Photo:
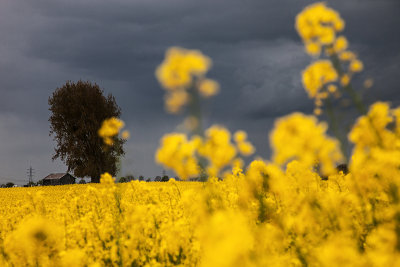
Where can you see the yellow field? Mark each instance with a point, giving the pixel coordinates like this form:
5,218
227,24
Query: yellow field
107,224
261,218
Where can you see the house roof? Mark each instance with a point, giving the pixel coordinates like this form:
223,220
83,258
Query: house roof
54,176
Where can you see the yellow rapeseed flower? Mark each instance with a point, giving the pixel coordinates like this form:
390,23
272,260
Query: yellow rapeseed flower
217,149
125,134
208,87
356,65
175,100
332,88
317,25
301,137
177,73
179,154
179,66
240,136
245,148
317,75
110,128
313,48
347,56
106,178
345,80
340,44
317,111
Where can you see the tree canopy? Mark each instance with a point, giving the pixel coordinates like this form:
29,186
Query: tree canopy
77,112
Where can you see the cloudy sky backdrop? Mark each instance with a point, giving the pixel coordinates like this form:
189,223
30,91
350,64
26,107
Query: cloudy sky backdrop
257,55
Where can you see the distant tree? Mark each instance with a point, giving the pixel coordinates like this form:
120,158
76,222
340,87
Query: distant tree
123,180
40,182
82,181
141,178
165,178
157,179
148,180
130,177
77,112
2,185
9,184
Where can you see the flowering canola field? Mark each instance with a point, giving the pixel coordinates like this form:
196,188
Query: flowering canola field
107,224
263,217
296,209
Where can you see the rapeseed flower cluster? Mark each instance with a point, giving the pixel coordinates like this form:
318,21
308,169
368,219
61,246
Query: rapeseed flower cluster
179,153
316,78
111,128
319,26
182,74
303,138
212,153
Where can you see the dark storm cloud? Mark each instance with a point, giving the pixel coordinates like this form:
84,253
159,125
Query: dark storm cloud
257,58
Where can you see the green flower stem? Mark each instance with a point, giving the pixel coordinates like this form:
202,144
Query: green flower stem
355,97
335,127
195,110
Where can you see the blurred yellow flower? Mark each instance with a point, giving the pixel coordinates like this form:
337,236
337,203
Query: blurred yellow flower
240,136
356,65
345,80
317,111
179,66
347,56
313,48
317,75
332,88
179,73
110,128
217,149
125,134
179,154
370,130
341,44
317,25
227,240
36,242
301,137
106,178
245,148
175,100
208,87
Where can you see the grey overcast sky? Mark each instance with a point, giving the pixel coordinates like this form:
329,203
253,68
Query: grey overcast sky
257,55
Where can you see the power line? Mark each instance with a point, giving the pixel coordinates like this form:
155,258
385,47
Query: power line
30,174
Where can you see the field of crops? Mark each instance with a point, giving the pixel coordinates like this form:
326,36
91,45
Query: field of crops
106,224
261,218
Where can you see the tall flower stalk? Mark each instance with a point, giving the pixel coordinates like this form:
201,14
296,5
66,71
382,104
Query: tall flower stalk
330,75
202,153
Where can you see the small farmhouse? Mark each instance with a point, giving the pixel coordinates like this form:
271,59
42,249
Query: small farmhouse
58,179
